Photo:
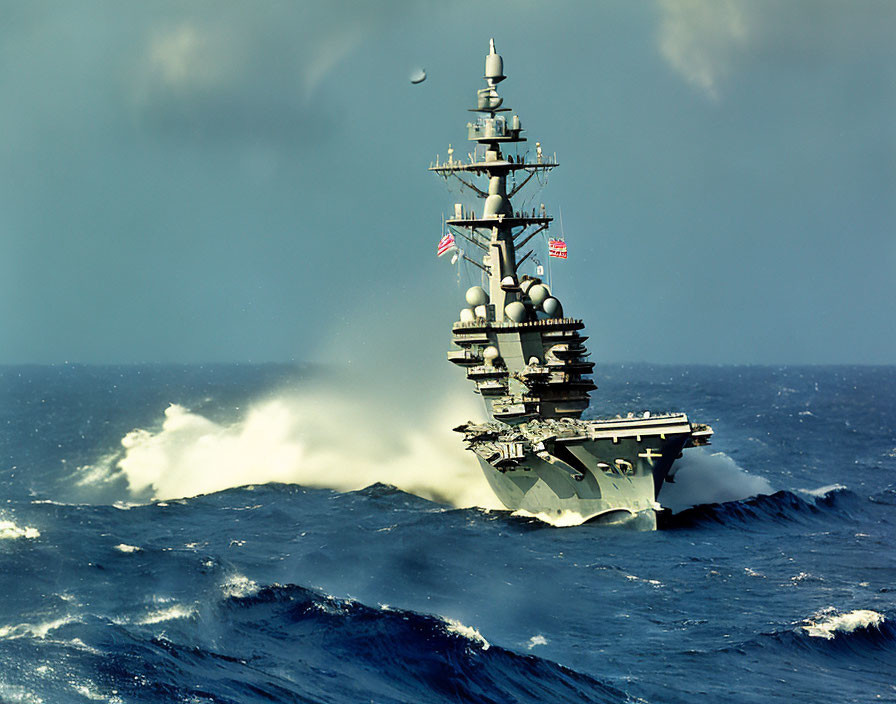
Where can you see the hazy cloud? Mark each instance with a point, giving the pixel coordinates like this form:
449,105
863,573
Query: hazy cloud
181,57
246,69
701,38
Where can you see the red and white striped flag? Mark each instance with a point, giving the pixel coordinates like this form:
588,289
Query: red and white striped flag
446,244
557,248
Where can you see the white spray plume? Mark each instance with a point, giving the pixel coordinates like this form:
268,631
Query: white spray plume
709,478
329,438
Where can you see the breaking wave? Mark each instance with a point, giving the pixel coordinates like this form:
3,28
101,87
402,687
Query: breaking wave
775,509
407,656
862,633
325,649
830,623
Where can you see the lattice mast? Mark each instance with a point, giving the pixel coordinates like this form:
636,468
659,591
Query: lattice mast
500,231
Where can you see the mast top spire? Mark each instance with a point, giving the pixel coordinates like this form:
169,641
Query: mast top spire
494,65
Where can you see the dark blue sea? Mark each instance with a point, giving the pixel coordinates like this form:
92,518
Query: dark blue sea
236,533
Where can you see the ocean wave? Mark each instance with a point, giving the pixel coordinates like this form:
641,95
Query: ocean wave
422,657
34,630
830,624
168,613
238,585
822,491
291,643
780,507
864,634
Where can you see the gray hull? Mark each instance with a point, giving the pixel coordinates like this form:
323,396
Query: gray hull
603,470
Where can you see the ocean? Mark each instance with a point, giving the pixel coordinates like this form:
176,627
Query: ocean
263,533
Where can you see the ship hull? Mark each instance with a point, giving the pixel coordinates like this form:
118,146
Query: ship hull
610,472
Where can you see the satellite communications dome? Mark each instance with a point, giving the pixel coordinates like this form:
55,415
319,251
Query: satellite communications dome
516,311
552,308
539,293
476,296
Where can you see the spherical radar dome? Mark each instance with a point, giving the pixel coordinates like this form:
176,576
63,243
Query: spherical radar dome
552,308
516,311
476,296
538,293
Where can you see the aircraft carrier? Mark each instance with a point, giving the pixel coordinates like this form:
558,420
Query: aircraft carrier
527,359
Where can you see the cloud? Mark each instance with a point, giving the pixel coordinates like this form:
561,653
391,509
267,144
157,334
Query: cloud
235,69
185,55
700,39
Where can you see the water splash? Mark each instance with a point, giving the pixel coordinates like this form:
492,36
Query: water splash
343,439
709,478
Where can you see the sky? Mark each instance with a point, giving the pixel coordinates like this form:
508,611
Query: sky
219,181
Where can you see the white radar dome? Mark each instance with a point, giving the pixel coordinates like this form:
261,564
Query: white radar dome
552,308
467,315
538,293
516,311
481,311
476,296
490,353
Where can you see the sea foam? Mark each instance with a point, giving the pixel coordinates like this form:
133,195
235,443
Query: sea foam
828,624
471,634
10,531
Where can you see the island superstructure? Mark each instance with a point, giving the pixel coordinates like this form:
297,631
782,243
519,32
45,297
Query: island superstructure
528,361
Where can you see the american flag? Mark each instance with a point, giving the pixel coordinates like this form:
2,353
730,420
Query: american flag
557,248
446,244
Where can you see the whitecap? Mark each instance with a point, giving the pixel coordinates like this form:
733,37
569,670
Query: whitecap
10,531
123,547
86,690
536,640
81,645
171,613
239,586
34,630
829,624
467,632
11,694
801,577
822,491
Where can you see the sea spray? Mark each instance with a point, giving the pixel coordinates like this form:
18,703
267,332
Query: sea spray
342,438
701,477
